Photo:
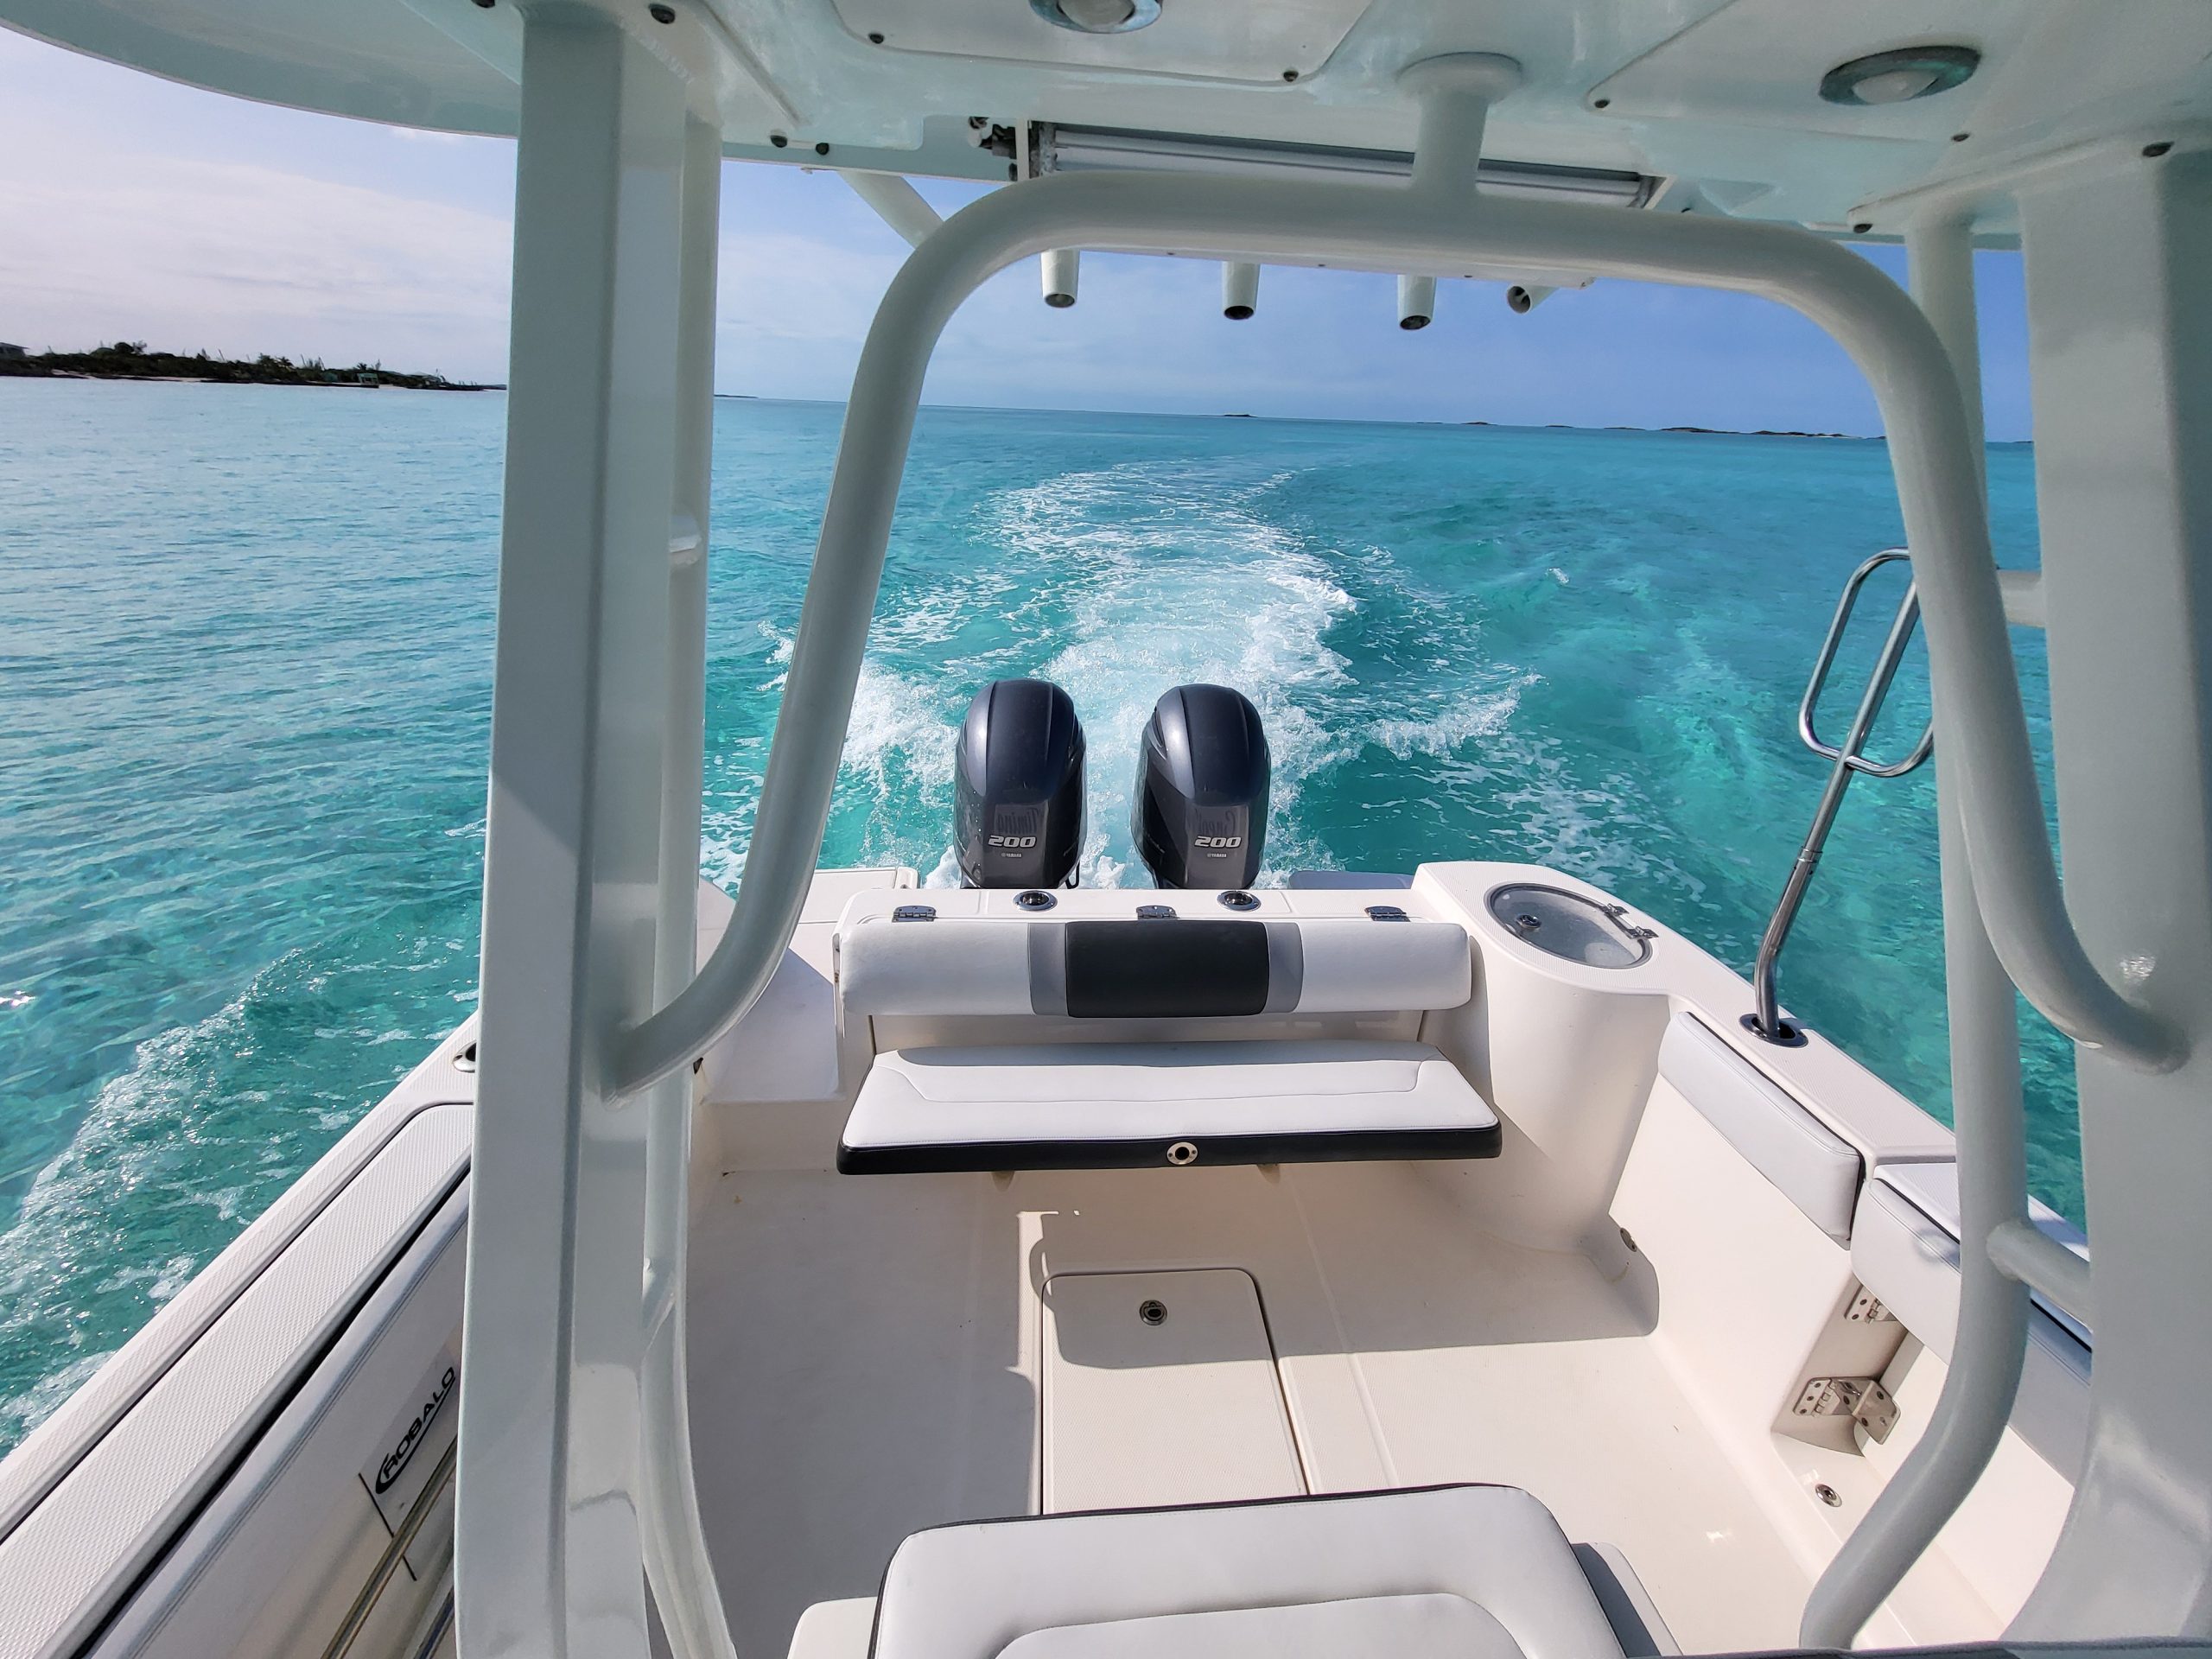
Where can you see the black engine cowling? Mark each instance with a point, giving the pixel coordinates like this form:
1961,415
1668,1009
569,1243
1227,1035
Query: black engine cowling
1199,812
1018,787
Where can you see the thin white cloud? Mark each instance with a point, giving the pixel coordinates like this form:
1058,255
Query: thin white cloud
242,256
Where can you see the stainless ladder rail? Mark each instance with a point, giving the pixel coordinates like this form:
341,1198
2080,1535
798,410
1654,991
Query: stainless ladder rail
1766,1021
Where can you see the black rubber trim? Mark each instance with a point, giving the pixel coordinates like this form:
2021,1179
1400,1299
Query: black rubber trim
1335,1147
1163,969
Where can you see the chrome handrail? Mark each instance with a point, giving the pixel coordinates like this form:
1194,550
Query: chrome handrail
1845,606
1765,1021
357,1615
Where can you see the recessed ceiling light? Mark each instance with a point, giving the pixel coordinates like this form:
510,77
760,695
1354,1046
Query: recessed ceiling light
1096,17
1901,76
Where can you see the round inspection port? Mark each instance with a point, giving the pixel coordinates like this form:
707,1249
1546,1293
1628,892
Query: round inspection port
1152,1312
1035,899
1182,1153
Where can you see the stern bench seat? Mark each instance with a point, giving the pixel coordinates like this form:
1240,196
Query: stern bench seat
1132,1105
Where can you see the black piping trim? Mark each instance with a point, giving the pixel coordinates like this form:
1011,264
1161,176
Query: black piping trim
1325,1147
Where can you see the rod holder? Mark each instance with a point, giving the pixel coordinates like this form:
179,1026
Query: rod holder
1416,301
1062,267
1240,291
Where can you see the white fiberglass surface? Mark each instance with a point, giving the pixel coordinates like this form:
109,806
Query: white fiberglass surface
866,1354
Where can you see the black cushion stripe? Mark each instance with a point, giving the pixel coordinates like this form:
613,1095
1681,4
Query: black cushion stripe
1332,1146
1157,969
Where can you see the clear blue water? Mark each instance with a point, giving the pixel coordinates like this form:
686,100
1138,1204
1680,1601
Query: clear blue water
244,674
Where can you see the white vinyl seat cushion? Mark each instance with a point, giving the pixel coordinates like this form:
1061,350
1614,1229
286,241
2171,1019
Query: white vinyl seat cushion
1127,1105
1469,1572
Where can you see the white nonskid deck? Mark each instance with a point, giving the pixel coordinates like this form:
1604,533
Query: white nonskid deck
866,1363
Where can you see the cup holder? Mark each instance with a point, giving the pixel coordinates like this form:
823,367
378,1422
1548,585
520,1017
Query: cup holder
1567,925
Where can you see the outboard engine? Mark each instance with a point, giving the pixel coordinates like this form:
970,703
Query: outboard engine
1018,787
1200,808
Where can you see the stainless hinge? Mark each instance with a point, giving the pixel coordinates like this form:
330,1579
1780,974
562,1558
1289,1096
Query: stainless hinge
1866,1309
1619,914
1861,1398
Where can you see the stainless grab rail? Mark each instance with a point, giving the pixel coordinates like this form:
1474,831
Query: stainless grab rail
1765,1021
357,1615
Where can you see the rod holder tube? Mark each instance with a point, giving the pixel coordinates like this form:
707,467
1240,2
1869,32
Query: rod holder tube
1240,289
1061,269
1416,301
896,203
1256,219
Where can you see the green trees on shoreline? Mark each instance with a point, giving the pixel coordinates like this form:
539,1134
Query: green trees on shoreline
130,359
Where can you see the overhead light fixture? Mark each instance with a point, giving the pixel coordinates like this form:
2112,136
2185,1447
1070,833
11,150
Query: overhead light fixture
1096,17
1901,76
1091,150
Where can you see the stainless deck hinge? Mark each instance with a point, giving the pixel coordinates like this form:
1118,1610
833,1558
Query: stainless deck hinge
1866,1309
1861,1398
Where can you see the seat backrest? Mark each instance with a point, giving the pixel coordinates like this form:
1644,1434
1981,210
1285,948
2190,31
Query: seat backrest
1153,968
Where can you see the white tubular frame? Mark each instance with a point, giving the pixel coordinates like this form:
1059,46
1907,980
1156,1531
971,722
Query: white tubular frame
677,1565
547,1531
1435,226
1987,1112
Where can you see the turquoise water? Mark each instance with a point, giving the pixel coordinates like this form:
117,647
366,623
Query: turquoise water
245,675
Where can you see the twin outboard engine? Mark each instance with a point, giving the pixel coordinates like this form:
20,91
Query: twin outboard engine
1018,787
1199,812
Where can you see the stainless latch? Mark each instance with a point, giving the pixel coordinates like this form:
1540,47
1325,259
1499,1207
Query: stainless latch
1860,1398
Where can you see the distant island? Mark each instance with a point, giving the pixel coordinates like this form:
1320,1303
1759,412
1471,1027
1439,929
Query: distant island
128,359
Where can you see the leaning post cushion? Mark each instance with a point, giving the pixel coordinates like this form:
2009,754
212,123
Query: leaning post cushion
1135,1105
1161,969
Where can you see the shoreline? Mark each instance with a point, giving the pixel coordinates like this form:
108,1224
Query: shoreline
131,360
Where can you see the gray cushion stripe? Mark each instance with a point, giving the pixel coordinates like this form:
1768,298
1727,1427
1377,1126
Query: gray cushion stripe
1048,968
1285,967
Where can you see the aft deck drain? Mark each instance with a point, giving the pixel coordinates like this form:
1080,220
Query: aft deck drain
1152,1312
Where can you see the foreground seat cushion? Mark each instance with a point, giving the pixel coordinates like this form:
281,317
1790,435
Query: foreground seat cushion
1408,1627
1129,1105
1474,1572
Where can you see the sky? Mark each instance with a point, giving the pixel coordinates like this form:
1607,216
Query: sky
134,208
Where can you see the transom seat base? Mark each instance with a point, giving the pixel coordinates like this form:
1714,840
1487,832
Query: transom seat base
1471,1572
1132,1105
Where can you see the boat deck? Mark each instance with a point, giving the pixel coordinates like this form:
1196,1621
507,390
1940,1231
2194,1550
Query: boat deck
867,1355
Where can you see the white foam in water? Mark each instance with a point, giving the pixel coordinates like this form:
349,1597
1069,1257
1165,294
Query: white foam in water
128,1141
1131,580
1482,714
1171,580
